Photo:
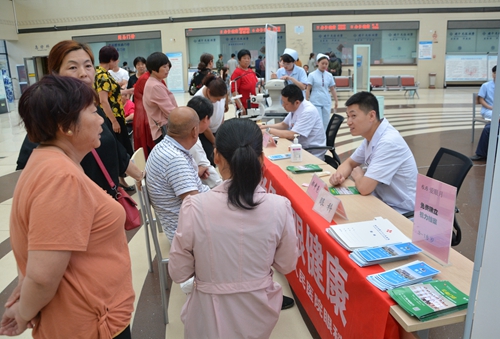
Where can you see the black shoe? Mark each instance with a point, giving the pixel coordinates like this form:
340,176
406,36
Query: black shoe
128,188
287,303
476,157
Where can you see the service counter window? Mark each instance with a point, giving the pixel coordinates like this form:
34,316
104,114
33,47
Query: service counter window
473,37
229,40
129,46
390,42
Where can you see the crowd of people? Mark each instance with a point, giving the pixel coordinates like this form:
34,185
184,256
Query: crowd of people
203,177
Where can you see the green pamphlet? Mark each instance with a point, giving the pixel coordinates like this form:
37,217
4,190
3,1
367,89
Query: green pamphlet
430,300
344,190
304,169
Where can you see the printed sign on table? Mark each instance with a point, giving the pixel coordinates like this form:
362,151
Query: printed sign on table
433,220
327,205
315,186
267,140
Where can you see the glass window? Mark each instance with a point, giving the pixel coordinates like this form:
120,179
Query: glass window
4,61
128,50
472,40
227,45
387,46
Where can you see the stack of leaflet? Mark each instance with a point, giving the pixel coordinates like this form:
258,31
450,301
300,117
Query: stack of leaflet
377,232
382,254
430,300
409,274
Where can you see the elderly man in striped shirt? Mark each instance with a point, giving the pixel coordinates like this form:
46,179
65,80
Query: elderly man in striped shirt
171,171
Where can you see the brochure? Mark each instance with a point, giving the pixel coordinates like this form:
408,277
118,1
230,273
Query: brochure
430,300
383,254
409,274
279,156
344,190
304,169
372,233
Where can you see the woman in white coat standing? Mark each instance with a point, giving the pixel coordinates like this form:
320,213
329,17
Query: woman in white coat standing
228,239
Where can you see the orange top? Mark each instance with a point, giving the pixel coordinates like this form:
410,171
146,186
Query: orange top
57,207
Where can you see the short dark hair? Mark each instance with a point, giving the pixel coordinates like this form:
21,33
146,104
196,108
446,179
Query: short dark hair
202,106
494,69
108,53
366,102
243,52
139,59
293,93
239,141
215,85
54,102
220,55
287,58
156,60
233,55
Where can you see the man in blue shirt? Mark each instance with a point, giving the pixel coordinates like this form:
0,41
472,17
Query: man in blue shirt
485,97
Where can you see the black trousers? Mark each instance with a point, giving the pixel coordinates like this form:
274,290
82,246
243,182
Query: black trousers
208,148
125,334
123,137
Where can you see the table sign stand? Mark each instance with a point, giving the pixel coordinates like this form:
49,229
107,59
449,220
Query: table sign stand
433,218
328,205
267,140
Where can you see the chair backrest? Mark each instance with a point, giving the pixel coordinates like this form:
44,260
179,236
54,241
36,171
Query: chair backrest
342,81
377,81
152,222
139,159
391,80
407,80
449,167
333,128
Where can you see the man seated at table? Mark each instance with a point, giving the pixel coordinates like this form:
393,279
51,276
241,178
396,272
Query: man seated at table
171,173
303,119
383,165
485,98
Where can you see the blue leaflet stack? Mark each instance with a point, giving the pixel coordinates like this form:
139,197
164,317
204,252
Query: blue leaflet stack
383,254
405,275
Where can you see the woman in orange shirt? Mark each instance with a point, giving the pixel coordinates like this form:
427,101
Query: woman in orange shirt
66,232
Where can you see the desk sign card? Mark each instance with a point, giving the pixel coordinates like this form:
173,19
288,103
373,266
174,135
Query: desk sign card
433,220
327,205
268,140
315,186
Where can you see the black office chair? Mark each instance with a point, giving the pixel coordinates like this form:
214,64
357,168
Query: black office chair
451,168
331,133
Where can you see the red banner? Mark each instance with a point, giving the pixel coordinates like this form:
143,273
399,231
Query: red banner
333,290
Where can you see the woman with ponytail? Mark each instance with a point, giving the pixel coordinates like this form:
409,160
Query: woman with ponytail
228,239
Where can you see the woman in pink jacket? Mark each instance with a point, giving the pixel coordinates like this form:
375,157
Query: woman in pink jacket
228,239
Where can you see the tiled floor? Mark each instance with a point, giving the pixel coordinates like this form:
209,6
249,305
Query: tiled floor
440,118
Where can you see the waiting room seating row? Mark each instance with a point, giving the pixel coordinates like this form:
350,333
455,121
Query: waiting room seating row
405,83
382,83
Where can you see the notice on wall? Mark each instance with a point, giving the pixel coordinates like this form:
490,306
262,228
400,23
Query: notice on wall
175,80
466,68
425,50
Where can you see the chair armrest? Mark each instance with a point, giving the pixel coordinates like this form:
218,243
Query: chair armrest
328,148
408,214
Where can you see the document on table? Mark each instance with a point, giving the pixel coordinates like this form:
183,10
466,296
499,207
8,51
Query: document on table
372,233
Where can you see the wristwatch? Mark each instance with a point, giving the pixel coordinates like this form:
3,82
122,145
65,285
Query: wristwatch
268,130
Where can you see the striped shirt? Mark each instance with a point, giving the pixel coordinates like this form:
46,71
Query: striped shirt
171,172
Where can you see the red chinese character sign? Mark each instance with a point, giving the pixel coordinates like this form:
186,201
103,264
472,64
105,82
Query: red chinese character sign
433,220
332,289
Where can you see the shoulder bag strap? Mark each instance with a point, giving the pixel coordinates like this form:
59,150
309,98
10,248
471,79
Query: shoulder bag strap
104,170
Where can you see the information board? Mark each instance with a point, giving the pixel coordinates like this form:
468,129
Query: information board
175,80
466,68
